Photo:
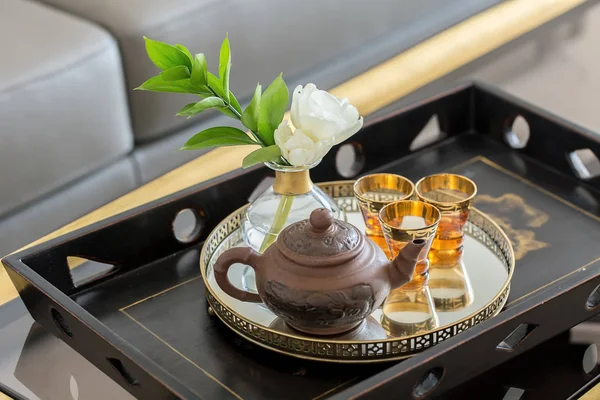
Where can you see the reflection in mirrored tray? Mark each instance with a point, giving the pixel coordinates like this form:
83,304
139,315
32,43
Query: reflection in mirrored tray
453,292
454,298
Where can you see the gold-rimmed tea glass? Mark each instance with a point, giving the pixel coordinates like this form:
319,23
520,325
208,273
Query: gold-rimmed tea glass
408,220
375,191
452,195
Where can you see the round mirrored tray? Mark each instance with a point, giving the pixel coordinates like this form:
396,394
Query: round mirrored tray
455,298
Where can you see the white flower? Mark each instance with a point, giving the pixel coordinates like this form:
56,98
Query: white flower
323,115
300,147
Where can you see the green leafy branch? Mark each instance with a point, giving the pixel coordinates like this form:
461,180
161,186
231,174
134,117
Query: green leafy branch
183,73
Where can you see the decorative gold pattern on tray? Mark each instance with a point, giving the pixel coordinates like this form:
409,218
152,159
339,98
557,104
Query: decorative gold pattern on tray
228,234
524,239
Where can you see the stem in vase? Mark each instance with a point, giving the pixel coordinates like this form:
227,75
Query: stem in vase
281,216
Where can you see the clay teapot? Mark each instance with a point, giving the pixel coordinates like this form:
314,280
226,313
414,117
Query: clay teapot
322,276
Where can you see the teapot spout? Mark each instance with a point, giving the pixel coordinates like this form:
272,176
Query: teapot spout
403,266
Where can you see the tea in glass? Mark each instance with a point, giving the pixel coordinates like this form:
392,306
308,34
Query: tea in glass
373,192
452,195
408,220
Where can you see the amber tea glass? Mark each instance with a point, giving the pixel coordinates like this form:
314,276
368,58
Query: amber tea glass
452,195
408,220
374,192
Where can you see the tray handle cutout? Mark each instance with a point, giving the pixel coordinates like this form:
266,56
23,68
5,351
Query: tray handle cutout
187,225
120,368
589,362
585,164
593,299
350,160
516,337
428,383
517,133
430,134
60,322
84,271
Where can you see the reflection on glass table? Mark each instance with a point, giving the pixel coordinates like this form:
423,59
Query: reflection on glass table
37,365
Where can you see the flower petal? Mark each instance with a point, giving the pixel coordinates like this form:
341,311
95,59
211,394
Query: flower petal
321,150
350,113
327,102
322,116
319,127
282,133
295,110
340,137
281,136
299,141
299,157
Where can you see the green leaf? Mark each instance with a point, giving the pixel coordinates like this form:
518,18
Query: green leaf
227,111
273,105
158,84
185,50
199,70
175,73
234,103
225,67
215,84
250,115
218,136
165,56
185,109
200,106
203,91
271,153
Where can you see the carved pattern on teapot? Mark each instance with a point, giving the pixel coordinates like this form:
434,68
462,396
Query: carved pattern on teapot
298,241
320,309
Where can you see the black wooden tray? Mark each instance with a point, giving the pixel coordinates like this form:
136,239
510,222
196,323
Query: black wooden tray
167,346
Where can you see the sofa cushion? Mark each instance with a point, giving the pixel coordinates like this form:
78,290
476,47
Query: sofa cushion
63,110
161,156
267,37
64,206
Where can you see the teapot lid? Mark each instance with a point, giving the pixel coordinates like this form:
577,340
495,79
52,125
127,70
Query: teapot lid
322,238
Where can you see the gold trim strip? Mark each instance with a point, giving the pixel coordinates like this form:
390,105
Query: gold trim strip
159,293
448,51
208,374
369,91
180,354
335,388
592,394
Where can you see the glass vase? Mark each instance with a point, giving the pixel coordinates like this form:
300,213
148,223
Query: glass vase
290,199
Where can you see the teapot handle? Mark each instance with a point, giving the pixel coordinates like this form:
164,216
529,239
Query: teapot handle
244,255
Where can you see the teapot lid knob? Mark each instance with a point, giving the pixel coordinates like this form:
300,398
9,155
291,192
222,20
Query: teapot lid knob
321,220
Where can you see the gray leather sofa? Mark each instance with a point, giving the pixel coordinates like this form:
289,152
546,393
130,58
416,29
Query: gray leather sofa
73,134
